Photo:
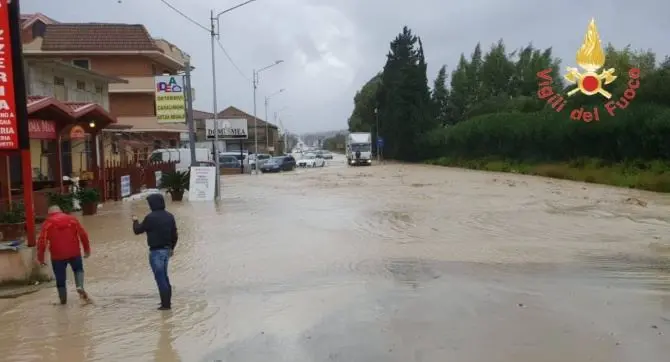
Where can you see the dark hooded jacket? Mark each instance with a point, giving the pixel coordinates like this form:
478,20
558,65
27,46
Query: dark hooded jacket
159,225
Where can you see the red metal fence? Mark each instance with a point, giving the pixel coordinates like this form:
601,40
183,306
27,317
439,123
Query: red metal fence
141,175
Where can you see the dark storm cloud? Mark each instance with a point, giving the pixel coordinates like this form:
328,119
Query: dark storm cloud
332,47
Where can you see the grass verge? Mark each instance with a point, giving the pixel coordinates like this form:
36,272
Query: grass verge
643,175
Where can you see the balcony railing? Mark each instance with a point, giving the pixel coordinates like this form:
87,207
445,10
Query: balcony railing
137,85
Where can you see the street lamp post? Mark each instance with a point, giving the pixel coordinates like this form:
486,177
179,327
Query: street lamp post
278,119
214,34
267,100
255,82
379,152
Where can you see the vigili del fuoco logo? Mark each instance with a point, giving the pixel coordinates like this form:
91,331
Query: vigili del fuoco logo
590,82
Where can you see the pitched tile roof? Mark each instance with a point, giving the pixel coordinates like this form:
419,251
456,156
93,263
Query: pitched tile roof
236,112
97,37
201,115
27,19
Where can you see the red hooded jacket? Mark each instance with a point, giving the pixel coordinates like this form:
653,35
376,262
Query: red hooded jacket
62,233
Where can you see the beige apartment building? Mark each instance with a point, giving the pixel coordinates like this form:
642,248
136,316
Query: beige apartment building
120,51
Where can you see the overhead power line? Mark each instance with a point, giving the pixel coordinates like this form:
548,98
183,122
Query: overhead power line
185,16
225,52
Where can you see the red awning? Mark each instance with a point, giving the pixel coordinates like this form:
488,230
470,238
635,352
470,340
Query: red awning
49,108
91,112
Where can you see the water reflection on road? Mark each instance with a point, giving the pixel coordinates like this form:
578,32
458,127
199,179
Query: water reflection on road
384,263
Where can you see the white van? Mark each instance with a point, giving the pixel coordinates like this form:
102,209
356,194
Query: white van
181,155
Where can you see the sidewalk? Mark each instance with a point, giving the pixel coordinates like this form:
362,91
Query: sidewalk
12,290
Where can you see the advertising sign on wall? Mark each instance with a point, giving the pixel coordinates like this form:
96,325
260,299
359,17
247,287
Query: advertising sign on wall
125,186
42,129
170,99
77,133
9,139
229,129
158,175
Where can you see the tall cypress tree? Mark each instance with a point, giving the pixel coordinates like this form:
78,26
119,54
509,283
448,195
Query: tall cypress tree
440,97
460,91
405,107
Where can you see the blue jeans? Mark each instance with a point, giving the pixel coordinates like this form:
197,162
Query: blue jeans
60,271
158,259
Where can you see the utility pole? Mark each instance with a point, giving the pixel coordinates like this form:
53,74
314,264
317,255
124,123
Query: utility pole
217,173
267,142
275,122
189,109
255,82
379,151
214,34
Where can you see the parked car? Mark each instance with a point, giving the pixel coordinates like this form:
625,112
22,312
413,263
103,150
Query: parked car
311,160
262,158
327,155
227,161
276,164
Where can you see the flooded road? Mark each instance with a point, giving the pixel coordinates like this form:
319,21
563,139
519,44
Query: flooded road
385,263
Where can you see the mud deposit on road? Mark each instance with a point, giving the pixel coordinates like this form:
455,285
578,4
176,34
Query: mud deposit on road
383,263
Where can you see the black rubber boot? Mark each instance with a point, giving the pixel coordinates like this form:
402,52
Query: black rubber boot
62,295
165,301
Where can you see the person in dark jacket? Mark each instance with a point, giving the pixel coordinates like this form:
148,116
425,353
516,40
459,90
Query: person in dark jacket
64,236
161,230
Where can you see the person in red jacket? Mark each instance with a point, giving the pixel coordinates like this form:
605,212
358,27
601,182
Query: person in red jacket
61,234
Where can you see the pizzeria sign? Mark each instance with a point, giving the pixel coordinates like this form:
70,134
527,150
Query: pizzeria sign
8,125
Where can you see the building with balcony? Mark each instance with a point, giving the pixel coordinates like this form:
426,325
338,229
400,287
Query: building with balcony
73,87
123,51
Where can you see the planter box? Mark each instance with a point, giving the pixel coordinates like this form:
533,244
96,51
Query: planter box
20,266
177,196
89,208
13,231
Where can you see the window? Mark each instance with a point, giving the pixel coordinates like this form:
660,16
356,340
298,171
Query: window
82,63
59,81
88,154
81,85
173,143
153,69
98,89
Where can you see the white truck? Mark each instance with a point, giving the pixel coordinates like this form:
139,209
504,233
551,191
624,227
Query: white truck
359,149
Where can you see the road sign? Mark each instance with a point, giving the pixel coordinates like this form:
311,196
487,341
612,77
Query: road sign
380,142
229,129
202,184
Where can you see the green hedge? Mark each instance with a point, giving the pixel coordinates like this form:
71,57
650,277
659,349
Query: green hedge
640,132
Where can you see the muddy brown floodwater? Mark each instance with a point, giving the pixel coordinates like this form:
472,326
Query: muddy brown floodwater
384,263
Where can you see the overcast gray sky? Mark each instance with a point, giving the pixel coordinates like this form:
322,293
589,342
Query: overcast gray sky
332,47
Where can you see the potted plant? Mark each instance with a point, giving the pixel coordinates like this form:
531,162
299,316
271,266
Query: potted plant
64,201
88,199
13,222
176,183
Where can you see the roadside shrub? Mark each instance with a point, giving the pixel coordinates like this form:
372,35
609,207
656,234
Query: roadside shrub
639,132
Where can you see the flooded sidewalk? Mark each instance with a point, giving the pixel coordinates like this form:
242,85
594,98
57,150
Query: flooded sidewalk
385,263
